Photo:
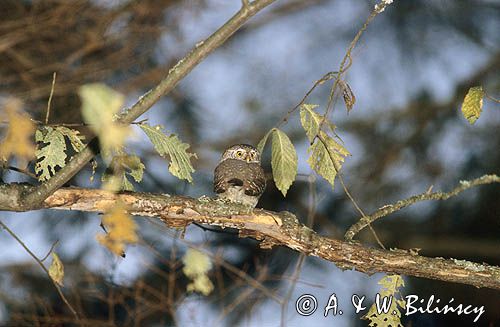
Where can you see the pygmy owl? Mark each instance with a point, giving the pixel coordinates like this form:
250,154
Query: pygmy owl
239,177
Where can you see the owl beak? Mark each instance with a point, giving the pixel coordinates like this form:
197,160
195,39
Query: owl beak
248,159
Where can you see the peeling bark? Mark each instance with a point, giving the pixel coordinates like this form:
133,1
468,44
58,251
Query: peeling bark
277,228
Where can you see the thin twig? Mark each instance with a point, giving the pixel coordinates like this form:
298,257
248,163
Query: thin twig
231,268
293,283
241,297
50,251
50,98
343,68
173,265
43,267
328,76
388,209
491,98
38,122
298,267
346,190
312,201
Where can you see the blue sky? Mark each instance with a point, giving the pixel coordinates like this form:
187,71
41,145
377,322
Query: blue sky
275,64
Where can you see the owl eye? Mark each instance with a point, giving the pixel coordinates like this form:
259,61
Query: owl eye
253,155
239,153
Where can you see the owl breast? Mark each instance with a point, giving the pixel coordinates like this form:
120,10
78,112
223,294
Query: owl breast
239,181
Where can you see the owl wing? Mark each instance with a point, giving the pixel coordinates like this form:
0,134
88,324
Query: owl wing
255,183
219,183
227,173
232,172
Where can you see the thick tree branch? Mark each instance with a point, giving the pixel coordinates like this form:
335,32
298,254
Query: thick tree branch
278,228
202,49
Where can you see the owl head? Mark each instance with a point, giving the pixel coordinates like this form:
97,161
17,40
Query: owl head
242,152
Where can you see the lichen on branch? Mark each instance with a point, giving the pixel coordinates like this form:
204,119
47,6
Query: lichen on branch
277,228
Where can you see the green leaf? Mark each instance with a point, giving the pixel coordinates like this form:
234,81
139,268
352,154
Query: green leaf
126,185
391,285
311,121
473,104
320,159
52,148
121,166
75,138
50,153
262,142
283,161
180,160
99,106
135,167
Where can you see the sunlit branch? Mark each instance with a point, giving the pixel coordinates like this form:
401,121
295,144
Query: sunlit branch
277,228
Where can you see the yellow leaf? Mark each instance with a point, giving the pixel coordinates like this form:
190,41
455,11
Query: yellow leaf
121,229
18,141
201,284
473,104
196,266
195,263
56,269
390,289
99,107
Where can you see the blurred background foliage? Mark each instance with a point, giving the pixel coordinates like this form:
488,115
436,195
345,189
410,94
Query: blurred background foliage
410,73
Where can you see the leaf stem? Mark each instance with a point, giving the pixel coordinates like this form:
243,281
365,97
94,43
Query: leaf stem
50,98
